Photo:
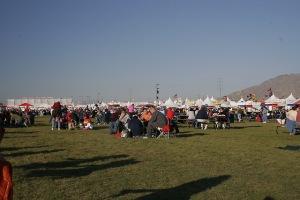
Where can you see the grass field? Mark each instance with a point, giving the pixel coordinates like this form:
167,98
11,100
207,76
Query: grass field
248,161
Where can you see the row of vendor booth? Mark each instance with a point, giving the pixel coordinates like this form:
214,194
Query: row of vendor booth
249,105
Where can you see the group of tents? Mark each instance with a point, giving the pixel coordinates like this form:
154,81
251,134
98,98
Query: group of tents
250,105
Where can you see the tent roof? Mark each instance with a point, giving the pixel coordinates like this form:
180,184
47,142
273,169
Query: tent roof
272,99
241,100
290,99
208,102
25,104
170,103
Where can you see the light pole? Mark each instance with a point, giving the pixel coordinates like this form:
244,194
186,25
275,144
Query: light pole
98,97
157,91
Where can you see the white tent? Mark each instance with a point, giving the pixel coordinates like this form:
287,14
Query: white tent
213,99
188,102
178,101
290,99
208,102
199,102
272,100
241,102
170,103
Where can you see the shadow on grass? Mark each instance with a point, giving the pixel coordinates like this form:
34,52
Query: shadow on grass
252,126
238,127
19,148
75,167
268,198
184,135
187,131
23,132
290,148
182,192
99,127
31,136
32,153
39,125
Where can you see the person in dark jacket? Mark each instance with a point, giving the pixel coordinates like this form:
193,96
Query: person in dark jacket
135,126
202,117
56,115
157,120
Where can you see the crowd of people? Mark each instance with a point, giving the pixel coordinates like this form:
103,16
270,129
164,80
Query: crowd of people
131,121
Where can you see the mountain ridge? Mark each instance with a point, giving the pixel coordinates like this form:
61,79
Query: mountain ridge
282,86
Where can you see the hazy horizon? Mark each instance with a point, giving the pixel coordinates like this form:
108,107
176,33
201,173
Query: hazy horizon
120,50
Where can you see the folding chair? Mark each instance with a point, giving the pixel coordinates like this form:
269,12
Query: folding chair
165,131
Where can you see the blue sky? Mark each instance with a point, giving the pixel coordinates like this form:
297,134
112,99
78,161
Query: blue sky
123,48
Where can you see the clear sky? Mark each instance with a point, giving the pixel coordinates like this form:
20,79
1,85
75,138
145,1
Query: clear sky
120,49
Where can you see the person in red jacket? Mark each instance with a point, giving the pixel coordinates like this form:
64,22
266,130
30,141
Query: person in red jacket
6,170
170,115
70,120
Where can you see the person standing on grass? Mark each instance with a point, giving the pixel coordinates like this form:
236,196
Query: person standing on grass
264,112
239,114
225,104
70,118
298,116
291,120
56,115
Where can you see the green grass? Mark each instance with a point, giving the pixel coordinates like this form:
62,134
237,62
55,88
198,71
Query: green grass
249,161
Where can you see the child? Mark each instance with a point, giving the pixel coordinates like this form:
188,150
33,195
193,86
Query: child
87,123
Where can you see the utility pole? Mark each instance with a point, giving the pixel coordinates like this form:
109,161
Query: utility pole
220,87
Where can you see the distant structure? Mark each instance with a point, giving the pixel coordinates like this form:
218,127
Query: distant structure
39,102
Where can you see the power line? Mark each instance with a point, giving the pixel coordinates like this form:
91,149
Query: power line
220,87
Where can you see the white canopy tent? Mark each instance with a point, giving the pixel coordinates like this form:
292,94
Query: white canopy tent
169,104
209,103
290,99
199,102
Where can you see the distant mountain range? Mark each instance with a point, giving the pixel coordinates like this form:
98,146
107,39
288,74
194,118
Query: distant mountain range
281,86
